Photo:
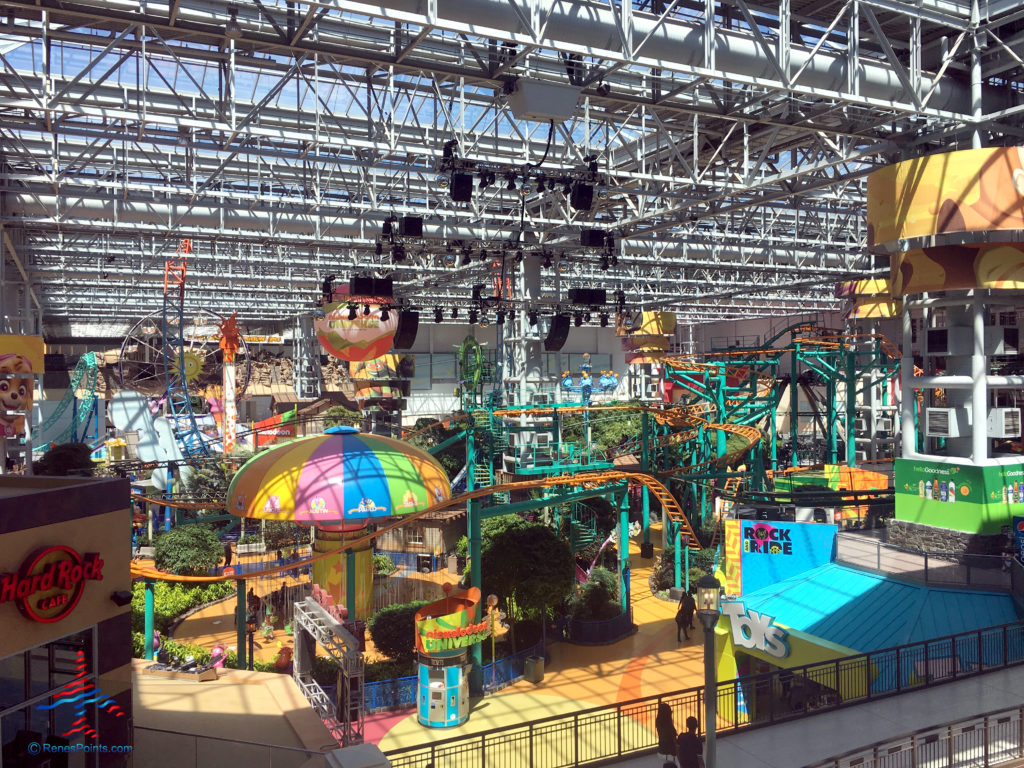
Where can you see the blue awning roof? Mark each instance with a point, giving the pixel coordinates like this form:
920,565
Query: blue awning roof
868,612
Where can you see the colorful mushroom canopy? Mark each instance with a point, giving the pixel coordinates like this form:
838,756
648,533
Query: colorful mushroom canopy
340,477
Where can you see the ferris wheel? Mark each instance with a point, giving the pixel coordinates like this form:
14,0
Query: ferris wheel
143,358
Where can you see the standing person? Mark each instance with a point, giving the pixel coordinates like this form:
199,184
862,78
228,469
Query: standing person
684,616
690,750
666,731
227,554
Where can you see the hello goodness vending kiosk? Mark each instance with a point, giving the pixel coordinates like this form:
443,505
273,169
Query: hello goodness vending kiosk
65,624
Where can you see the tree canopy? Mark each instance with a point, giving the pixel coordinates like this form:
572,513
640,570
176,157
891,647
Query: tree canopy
190,550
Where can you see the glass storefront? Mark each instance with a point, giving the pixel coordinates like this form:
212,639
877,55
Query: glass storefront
32,711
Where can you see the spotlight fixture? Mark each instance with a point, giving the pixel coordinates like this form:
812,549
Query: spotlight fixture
351,311
232,31
511,179
398,253
483,254
384,314
563,266
366,309
540,184
455,313
603,89
438,317
449,259
500,317
566,187
104,276
547,261
442,181
532,316
379,248
486,179
602,193
526,188
473,316
577,319
615,260
110,259
586,317
519,257
604,263
604,319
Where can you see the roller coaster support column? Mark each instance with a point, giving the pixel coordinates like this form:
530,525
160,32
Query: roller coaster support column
147,627
624,551
476,654
677,555
794,404
645,466
720,439
851,408
350,582
241,608
832,416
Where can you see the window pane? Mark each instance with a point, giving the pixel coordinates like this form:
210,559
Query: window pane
443,366
39,670
12,680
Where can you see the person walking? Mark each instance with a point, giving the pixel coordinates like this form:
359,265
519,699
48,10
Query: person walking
689,747
666,731
227,554
684,616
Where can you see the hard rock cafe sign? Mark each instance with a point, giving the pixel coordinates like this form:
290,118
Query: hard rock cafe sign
50,582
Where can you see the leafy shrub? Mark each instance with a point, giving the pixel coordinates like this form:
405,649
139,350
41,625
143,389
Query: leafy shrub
597,599
393,630
701,563
388,670
383,564
65,459
190,550
250,538
172,600
325,671
339,415
143,540
462,546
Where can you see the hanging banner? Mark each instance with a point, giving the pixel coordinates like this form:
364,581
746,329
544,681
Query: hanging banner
20,357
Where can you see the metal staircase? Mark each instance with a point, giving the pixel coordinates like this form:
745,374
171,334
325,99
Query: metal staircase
582,527
730,489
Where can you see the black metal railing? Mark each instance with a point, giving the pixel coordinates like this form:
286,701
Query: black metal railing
618,730
987,572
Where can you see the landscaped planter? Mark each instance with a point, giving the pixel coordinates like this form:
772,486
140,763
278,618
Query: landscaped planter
251,549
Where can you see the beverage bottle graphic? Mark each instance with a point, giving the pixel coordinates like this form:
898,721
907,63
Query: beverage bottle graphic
928,488
1004,494
920,489
943,491
952,492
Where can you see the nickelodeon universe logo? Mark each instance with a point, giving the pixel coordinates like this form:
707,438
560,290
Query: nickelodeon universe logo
766,539
50,582
756,631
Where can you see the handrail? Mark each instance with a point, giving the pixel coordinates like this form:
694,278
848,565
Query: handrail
882,753
247,742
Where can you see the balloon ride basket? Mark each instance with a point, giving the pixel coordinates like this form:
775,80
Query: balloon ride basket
443,690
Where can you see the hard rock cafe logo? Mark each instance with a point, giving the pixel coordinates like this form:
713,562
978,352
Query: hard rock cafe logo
50,582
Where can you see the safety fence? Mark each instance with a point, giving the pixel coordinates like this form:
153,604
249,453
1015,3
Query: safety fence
988,572
154,746
989,739
602,733
599,632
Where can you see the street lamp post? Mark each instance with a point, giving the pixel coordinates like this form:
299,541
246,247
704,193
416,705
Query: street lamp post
250,625
709,609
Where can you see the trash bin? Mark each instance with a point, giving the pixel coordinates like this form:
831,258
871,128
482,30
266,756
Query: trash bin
647,549
453,564
424,564
533,669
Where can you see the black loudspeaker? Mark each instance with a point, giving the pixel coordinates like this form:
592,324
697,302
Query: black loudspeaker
371,286
408,324
411,226
592,238
590,297
581,196
557,333
462,187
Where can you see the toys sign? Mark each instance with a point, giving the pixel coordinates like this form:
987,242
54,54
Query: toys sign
756,631
50,582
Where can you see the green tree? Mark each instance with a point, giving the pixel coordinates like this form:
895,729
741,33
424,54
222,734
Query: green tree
65,459
598,599
190,550
210,480
528,566
452,458
278,534
393,630
339,415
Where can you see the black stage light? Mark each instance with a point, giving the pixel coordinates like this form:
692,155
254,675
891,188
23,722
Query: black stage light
351,311
455,312
384,314
547,261
398,253
380,248
438,316
500,317
473,316
532,316
604,319
577,319
366,309
519,257
483,254
511,179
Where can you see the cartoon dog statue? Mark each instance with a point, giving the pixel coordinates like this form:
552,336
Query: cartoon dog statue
15,394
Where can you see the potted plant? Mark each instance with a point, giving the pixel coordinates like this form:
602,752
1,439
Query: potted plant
251,544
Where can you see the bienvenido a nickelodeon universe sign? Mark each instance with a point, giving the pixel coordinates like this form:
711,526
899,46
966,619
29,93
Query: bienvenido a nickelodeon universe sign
50,582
